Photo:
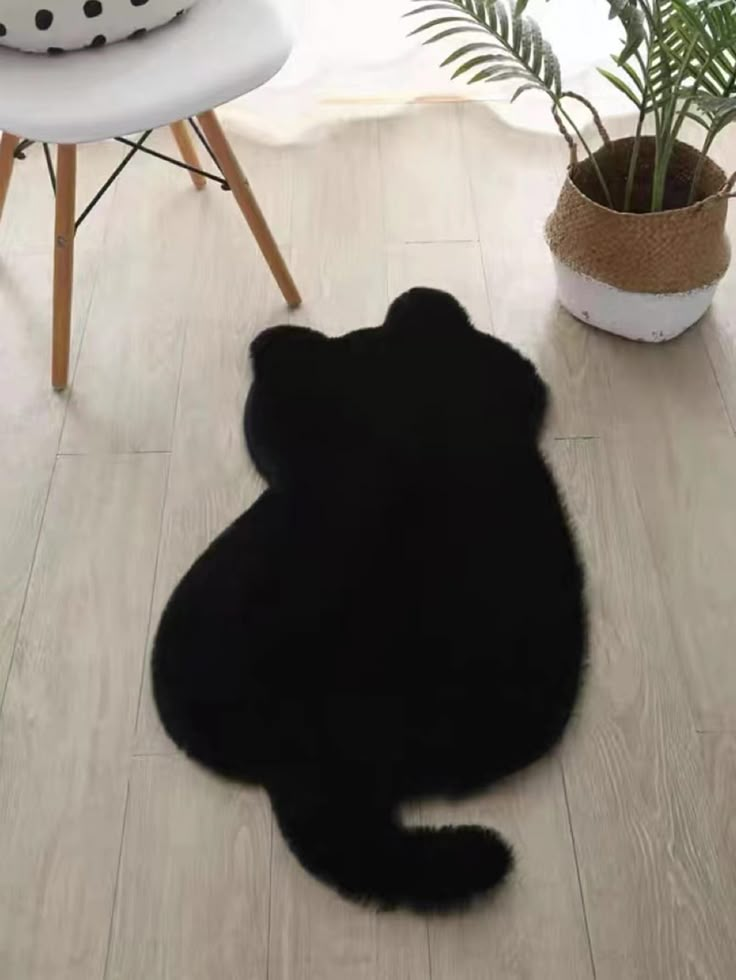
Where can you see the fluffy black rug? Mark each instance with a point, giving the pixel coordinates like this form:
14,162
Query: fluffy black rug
399,615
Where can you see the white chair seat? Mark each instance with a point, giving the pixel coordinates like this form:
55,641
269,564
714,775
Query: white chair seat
219,50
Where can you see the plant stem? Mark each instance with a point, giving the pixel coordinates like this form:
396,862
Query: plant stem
648,94
699,168
665,121
674,125
647,97
687,102
593,161
633,163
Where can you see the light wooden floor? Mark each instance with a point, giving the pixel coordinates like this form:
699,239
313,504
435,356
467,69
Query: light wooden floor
121,861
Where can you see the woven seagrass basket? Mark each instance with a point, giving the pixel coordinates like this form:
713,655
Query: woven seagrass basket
645,276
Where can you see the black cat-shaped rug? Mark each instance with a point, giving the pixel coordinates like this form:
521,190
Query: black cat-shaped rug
399,615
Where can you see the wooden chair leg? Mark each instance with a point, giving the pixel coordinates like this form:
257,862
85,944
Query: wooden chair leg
8,143
66,192
249,206
188,153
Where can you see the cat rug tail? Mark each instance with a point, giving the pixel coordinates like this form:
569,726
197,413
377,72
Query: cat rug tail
365,854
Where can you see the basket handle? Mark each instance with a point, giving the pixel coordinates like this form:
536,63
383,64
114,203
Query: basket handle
566,135
598,122
727,189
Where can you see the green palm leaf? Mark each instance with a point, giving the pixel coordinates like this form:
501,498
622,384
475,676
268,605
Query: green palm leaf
467,49
488,59
517,49
625,89
716,105
706,56
709,28
633,20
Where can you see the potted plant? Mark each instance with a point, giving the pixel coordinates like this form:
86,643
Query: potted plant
638,235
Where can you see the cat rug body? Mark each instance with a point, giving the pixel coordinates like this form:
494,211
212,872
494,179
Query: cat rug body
399,615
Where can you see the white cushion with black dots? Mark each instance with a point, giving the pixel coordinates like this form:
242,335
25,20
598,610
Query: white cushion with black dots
55,26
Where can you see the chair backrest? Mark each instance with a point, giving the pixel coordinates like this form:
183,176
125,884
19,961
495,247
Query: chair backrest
55,26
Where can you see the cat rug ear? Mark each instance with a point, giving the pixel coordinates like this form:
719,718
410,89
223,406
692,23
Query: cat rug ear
282,346
423,307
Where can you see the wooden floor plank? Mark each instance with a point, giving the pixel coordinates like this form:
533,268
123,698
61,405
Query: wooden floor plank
685,482
719,333
719,325
28,216
194,265
338,251
193,891
31,416
534,926
316,935
23,494
719,753
123,396
211,480
68,716
426,194
657,899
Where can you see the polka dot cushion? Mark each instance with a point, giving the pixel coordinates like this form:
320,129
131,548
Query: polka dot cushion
55,26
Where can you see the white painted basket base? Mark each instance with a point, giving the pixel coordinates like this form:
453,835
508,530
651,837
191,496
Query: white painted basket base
652,317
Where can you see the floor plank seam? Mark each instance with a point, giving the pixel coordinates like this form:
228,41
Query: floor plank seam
153,591
169,453
29,576
466,169
577,871
717,380
475,209
680,658
270,897
575,438
378,129
100,251
117,880
289,246
83,334
439,241
384,222
485,278
106,454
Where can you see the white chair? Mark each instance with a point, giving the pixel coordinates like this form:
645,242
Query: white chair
220,50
